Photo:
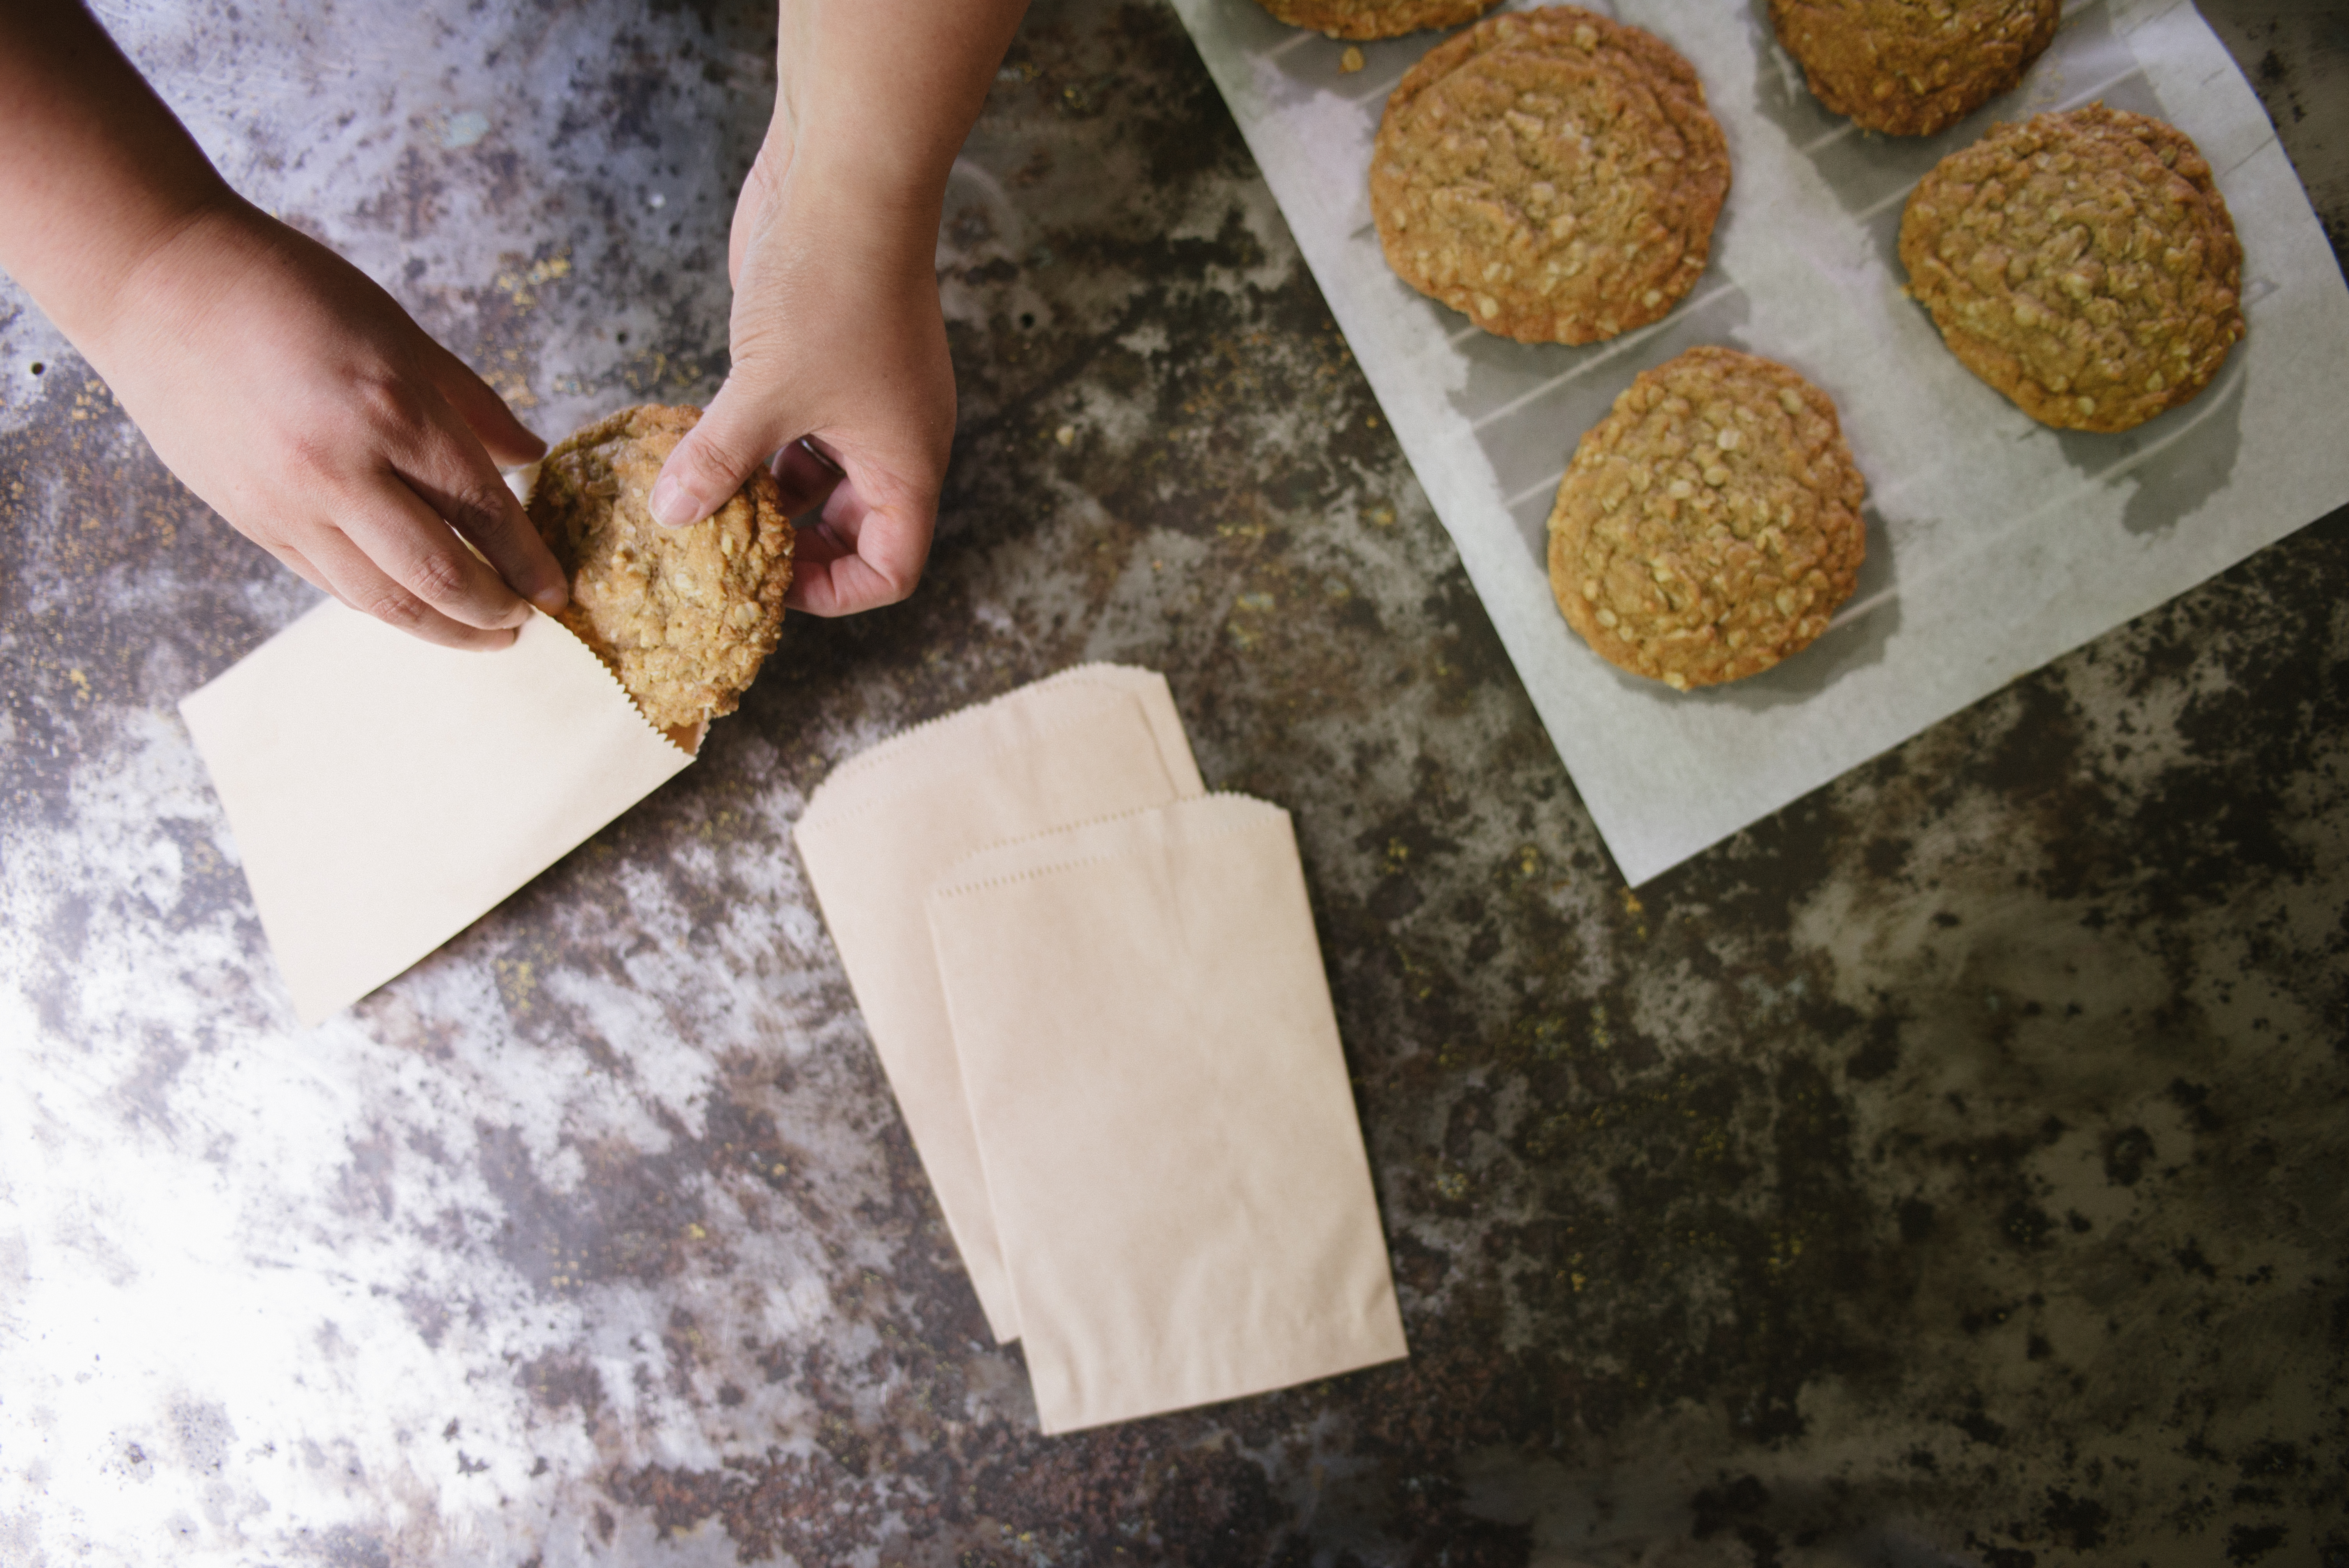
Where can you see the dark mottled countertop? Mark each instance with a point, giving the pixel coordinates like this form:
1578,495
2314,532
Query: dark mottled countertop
1948,1169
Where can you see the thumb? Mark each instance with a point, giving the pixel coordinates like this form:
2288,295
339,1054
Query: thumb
716,456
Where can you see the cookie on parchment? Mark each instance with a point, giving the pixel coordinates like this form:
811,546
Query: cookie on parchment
1710,525
2083,263
1552,174
1909,67
683,617
1375,18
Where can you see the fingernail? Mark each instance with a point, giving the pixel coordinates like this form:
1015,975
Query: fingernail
672,508
551,598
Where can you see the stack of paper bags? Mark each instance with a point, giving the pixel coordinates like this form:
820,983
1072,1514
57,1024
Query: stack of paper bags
1098,996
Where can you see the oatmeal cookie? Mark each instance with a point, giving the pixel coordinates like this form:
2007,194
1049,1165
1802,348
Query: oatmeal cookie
1710,525
2082,263
1375,18
682,616
1909,67
1550,173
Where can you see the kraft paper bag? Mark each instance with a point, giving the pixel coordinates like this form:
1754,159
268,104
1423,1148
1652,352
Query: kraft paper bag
1096,741
1161,1107
983,726
386,793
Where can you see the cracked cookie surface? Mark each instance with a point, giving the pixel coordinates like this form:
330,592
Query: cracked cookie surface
1375,18
1711,524
2083,263
1552,174
683,617
1910,67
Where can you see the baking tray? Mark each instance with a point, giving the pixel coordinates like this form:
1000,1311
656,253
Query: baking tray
1993,544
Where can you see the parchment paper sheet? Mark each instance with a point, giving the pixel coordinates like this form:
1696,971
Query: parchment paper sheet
1994,544
1163,1108
1100,740
386,793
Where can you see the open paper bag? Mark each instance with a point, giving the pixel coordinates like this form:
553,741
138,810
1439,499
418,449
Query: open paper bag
386,793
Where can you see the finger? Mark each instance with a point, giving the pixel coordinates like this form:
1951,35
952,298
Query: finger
298,564
506,438
351,577
734,436
447,468
404,536
859,556
805,476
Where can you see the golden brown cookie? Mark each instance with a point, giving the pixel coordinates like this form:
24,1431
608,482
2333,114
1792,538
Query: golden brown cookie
2082,263
1710,525
682,616
1908,67
1550,173
1375,18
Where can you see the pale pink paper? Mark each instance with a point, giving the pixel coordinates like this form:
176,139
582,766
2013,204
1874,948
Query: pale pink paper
1096,741
1161,1105
386,793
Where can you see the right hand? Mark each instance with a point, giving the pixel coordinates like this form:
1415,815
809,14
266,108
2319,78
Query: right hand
301,402
838,339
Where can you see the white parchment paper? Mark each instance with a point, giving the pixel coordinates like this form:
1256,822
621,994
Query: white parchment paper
1994,543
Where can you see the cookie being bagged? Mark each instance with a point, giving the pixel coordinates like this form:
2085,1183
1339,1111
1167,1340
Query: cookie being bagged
683,617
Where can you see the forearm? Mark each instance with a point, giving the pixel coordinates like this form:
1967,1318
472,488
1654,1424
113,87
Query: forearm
97,174
880,94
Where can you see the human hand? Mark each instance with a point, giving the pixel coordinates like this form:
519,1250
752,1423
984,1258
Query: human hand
837,338
301,402
268,373
840,370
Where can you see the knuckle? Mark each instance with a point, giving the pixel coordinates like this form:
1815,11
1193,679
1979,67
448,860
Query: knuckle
386,402
720,449
439,576
712,463
312,458
483,506
394,608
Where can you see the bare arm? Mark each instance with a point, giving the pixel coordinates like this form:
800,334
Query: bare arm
836,331
276,380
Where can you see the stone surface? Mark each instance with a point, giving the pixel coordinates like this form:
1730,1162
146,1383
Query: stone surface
1948,1169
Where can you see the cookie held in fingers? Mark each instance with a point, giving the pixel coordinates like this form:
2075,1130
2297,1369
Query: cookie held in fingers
1552,174
1710,525
1375,18
2083,263
683,617
1910,67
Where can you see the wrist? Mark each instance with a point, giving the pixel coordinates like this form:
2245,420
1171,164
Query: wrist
873,212
883,93
849,179
171,267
